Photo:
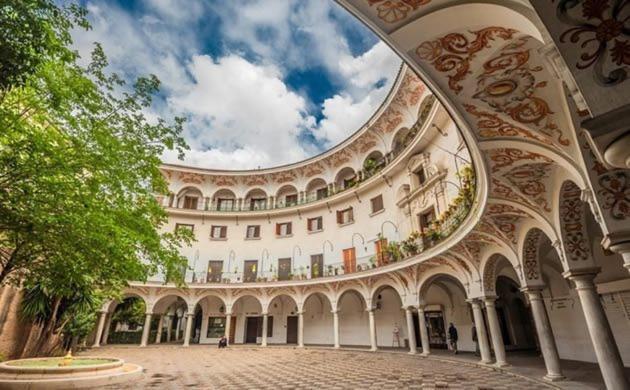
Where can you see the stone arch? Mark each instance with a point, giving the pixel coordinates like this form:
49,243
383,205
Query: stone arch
382,284
283,294
110,306
207,294
318,315
489,272
224,199
242,297
161,298
401,138
528,249
374,160
345,177
571,221
432,276
255,193
284,191
190,191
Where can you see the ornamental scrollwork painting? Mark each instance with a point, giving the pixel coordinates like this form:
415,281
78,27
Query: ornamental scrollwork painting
453,53
602,30
530,180
573,225
615,194
530,255
392,11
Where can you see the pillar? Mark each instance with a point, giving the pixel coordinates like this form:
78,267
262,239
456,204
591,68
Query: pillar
158,335
606,350
424,334
108,324
495,332
545,334
99,329
410,331
178,327
228,325
482,335
301,329
169,325
336,328
189,322
373,346
145,330
264,330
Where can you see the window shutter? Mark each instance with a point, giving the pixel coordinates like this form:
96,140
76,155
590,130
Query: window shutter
223,231
350,215
339,217
320,223
288,228
257,231
278,229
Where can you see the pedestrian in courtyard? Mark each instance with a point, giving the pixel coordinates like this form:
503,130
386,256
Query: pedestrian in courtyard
475,340
452,337
222,342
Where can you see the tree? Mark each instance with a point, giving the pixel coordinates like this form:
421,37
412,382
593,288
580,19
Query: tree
79,169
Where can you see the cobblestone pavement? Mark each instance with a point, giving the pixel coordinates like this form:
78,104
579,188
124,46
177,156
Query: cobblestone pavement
206,367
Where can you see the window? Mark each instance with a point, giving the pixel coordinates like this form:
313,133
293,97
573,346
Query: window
317,266
315,224
216,327
184,226
269,326
215,271
426,219
420,175
345,216
218,232
190,202
322,193
258,203
377,203
291,200
224,204
283,229
253,231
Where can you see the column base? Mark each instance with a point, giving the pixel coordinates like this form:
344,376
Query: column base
554,377
336,346
96,346
485,362
501,364
412,353
373,349
425,354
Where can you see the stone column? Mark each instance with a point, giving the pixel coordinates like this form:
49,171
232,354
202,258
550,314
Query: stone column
545,334
495,332
373,346
189,322
424,335
228,325
145,330
108,324
99,329
178,327
264,330
158,335
410,331
482,336
300,329
336,328
169,326
606,350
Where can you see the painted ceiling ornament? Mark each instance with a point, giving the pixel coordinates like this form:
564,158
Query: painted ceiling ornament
283,177
615,193
311,170
530,255
500,190
507,225
388,121
573,225
339,158
602,29
489,277
392,11
189,177
453,53
255,180
529,179
503,157
410,91
223,181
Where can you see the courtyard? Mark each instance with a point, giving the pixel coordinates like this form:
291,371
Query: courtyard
240,367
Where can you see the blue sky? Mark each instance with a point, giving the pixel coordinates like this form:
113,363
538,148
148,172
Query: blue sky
262,82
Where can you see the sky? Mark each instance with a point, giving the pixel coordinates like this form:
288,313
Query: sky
261,82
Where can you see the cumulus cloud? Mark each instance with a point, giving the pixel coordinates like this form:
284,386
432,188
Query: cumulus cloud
242,111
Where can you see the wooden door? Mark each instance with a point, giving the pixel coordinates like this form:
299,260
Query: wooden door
284,268
292,330
215,271
251,271
349,260
232,330
317,266
251,330
381,254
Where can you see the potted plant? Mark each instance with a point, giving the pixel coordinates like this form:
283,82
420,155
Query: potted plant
372,262
330,270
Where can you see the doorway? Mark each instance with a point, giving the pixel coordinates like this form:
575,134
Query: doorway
435,325
292,330
251,330
284,268
349,260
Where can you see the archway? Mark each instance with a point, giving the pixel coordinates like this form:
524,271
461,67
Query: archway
515,319
345,179
256,199
389,317
126,321
248,312
286,196
168,322
353,319
283,320
190,198
316,189
214,320
224,200
318,320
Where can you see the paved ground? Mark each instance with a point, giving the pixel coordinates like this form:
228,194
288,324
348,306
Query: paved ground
240,367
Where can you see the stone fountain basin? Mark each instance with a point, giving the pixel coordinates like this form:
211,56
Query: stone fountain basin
28,374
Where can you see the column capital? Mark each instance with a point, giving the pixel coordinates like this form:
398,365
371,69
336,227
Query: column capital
227,313
300,312
189,314
335,311
532,289
489,299
582,274
264,313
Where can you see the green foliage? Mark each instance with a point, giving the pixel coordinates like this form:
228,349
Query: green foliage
131,311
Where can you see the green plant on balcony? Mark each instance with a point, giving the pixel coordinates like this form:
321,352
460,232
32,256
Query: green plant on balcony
393,251
315,273
410,245
372,262
370,166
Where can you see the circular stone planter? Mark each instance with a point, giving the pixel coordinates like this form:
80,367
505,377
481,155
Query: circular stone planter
83,372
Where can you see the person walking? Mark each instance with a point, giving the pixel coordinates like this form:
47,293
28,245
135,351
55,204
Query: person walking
452,337
475,340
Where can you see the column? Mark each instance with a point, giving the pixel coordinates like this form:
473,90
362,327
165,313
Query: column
228,326
336,328
99,329
410,331
424,334
145,330
495,332
373,346
108,324
606,350
300,329
169,326
264,330
158,335
545,334
178,328
482,335
189,322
